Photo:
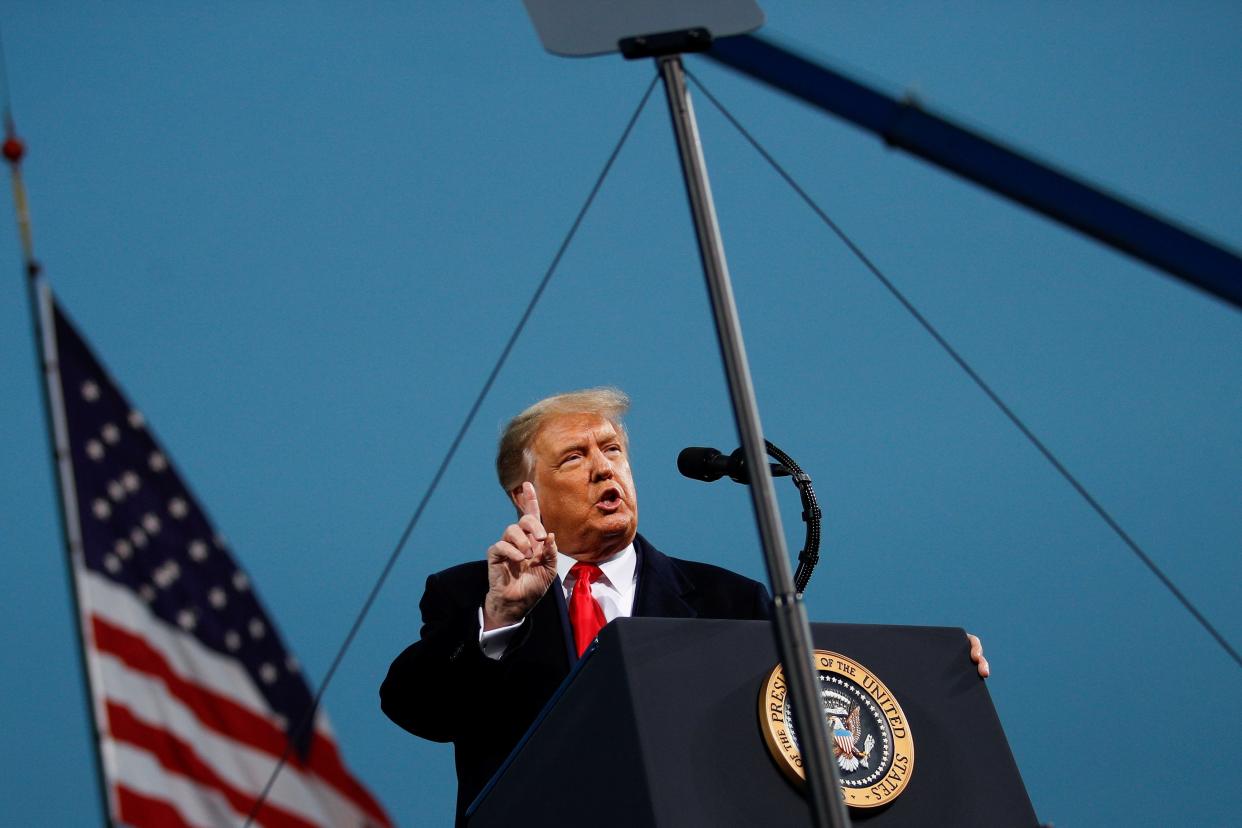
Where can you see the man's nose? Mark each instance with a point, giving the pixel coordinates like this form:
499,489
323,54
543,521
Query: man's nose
601,466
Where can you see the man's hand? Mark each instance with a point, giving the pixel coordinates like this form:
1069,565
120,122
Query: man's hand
520,566
976,655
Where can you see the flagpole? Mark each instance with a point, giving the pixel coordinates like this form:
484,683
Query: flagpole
40,296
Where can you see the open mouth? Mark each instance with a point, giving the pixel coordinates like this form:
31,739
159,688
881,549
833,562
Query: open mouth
610,499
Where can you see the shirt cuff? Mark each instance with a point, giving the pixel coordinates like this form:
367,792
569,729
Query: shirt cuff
493,643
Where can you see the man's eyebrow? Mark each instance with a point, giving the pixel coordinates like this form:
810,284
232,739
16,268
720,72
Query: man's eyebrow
569,448
606,438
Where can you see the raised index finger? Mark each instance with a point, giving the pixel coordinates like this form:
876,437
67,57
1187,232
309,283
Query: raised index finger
530,501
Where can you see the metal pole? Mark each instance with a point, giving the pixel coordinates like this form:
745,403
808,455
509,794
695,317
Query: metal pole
793,633
41,312
58,435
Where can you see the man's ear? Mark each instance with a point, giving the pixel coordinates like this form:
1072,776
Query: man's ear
513,498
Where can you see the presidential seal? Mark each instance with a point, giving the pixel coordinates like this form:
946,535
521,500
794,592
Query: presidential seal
871,741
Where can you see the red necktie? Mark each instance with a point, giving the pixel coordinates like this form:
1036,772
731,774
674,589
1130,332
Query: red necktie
585,613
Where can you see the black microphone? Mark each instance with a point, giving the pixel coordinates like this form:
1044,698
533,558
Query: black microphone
708,464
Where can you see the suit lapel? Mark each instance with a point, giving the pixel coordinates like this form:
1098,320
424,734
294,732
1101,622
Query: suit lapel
550,633
662,587
567,632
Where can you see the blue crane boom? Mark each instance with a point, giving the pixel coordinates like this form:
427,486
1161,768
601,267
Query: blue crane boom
902,123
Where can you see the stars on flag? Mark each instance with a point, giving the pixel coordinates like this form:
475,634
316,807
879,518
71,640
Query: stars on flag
191,680
197,550
147,534
151,524
217,597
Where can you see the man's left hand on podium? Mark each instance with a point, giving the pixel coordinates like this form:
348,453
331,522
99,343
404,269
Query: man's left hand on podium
976,655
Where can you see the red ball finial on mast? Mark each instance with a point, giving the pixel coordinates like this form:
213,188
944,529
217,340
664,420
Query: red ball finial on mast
14,149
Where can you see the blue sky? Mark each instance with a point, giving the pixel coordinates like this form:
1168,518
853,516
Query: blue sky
300,238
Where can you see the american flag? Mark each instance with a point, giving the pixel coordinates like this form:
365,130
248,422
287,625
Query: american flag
194,694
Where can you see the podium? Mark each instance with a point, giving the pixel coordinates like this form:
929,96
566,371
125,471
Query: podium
660,726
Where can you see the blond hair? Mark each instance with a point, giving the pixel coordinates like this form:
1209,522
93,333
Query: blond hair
514,456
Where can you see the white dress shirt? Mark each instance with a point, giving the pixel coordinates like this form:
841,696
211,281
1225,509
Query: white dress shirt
614,591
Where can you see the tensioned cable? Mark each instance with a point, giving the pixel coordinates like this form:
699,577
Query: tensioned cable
974,376
452,449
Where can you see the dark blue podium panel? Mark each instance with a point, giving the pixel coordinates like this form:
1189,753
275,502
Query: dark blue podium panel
660,726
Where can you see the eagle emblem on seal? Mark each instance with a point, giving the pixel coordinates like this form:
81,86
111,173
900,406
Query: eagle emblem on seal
845,739
869,735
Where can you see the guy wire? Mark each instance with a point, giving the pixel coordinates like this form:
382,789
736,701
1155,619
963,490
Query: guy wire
975,377
452,451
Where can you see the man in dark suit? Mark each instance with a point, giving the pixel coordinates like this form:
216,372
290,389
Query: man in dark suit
497,637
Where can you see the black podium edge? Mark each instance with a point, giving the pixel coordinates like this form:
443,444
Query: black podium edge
534,726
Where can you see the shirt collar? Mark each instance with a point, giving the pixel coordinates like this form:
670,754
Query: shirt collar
619,569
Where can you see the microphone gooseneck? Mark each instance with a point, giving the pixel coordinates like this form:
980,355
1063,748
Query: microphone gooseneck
709,465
